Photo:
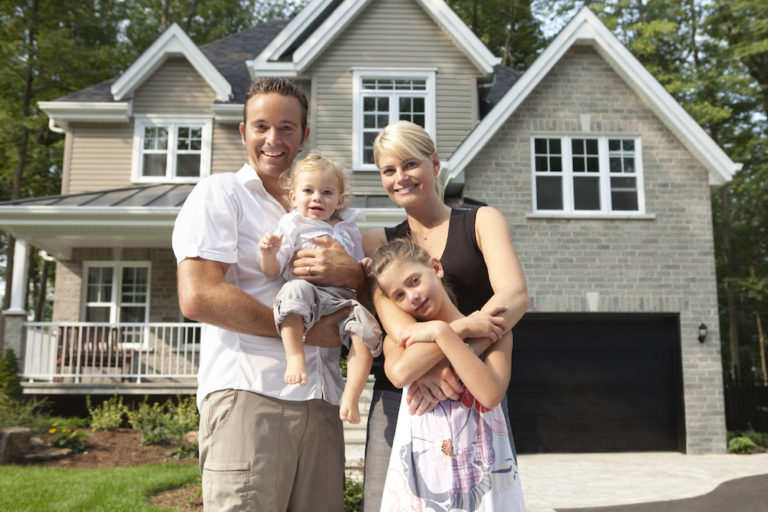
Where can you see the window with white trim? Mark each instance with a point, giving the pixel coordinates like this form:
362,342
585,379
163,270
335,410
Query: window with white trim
116,292
171,150
587,175
385,96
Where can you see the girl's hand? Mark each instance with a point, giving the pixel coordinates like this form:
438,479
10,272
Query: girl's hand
270,243
481,324
422,332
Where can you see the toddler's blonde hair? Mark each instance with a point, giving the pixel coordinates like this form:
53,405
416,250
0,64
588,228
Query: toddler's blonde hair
315,162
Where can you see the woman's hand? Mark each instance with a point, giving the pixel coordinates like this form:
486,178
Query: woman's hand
422,332
439,383
482,324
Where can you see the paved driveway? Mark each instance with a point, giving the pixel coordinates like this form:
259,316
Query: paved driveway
557,482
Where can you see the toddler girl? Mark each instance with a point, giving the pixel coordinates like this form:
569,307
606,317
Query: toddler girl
316,191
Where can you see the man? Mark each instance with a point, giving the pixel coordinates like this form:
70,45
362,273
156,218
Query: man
264,445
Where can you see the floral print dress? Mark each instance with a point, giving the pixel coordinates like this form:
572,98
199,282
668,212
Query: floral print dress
455,458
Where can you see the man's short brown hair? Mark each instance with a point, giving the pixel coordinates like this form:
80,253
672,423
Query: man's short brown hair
266,85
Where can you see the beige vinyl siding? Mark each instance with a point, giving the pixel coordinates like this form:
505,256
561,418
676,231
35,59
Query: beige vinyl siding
175,88
228,153
393,34
101,157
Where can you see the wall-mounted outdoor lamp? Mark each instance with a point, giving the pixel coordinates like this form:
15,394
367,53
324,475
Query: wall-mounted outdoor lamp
702,332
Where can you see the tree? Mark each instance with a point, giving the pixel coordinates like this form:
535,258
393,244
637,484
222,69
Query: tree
507,27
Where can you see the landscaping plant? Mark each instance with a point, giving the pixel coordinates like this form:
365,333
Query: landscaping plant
110,415
67,437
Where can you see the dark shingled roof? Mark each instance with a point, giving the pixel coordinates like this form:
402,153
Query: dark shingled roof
503,80
228,55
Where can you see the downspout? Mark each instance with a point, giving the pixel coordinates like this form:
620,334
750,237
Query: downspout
52,126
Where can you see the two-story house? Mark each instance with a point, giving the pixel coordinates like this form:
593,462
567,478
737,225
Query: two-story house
604,179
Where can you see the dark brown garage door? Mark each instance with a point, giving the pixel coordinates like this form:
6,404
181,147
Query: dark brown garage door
596,383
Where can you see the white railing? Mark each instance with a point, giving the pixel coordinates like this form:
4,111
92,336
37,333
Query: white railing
101,352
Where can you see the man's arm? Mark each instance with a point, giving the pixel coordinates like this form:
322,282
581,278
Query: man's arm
205,296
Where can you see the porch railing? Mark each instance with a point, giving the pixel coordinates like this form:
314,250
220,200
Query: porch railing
101,352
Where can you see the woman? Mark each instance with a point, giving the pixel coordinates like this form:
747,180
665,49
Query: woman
481,268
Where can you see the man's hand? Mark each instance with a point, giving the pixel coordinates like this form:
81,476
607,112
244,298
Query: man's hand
439,383
329,265
325,332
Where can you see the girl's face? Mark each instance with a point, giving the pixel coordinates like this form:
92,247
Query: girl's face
410,179
316,194
415,287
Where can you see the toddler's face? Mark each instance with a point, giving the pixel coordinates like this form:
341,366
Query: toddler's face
316,194
415,288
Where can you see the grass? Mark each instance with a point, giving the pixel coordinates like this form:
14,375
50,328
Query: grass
124,489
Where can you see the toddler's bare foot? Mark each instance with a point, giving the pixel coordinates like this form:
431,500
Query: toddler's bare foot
348,410
296,371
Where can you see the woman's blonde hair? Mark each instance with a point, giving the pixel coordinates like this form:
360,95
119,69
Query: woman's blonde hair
404,139
315,162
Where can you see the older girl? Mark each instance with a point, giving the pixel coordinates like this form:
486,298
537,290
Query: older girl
457,456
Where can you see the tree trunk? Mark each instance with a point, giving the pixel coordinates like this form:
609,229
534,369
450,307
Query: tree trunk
42,289
191,16
733,315
164,16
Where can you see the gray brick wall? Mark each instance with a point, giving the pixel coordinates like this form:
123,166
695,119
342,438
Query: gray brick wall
661,264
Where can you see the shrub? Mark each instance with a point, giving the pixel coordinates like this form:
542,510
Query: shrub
17,413
153,422
110,415
741,444
353,496
66,437
184,413
9,376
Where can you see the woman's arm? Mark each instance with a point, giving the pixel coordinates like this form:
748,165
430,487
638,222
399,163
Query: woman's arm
504,269
487,379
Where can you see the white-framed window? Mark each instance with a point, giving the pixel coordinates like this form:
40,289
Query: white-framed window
587,175
116,291
382,96
171,149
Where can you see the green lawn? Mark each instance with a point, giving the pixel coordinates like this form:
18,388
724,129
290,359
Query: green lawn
42,489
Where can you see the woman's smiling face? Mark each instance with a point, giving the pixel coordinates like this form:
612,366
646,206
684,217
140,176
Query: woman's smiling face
406,180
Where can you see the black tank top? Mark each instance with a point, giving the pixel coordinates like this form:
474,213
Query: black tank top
465,271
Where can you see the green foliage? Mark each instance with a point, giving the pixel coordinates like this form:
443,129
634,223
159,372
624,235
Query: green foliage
17,413
110,415
167,424
65,436
125,489
10,385
353,496
742,445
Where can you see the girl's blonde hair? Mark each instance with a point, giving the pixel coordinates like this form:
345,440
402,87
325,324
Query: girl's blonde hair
404,139
315,162
403,249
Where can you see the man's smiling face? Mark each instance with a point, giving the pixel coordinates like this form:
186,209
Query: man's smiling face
272,133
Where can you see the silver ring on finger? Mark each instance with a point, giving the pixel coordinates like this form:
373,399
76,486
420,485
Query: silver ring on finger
309,270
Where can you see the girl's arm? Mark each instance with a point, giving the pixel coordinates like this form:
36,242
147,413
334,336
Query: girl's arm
504,269
487,379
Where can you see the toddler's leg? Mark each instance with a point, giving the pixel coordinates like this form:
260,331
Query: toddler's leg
292,332
359,363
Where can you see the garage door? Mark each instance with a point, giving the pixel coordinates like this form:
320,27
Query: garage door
596,383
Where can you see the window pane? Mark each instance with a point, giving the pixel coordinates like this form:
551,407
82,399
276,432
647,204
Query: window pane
382,104
593,164
382,120
155,137
368,138
549,195
135,286
420,120
154,165
188,166
628,145
624,194
369,103
369,121
554,146
540,146
97,313
99,284
614,164
132,313
591,146
418,105
541,164
586,193
614,144
555,164
578,165
577,145
629,165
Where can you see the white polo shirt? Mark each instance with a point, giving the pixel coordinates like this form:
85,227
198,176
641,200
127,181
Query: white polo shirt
223,220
